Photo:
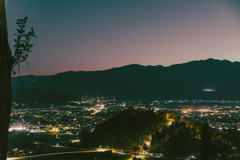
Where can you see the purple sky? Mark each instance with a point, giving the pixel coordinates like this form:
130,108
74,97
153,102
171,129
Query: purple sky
101,34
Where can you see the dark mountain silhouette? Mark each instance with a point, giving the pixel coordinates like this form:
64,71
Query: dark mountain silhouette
33,95
180,81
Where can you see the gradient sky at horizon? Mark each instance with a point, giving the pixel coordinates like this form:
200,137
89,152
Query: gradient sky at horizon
101,34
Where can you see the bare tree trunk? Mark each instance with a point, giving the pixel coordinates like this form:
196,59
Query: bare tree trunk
5,82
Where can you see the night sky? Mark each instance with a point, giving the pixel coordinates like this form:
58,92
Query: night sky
101,34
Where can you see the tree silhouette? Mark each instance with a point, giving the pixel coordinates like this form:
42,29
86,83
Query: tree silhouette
22,43
177,140
127,129
206,149
7,62
145,147
5,82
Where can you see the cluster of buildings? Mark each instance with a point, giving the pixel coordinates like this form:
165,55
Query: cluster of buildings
64,123
219,117
68,119
86,114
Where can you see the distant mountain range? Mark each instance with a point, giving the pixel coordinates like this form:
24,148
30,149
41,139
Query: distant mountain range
180,81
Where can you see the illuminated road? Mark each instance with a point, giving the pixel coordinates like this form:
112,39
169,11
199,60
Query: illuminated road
51,154
79,152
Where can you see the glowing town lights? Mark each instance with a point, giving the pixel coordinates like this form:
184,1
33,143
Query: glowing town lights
203,110
185,111
75,141
101,150
36,130
140,156
192,157
209,90
102,106
170,122
97,108
148,143
38,116
17,128
54,130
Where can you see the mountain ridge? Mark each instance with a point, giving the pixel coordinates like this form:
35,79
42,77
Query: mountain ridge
179,81
160,66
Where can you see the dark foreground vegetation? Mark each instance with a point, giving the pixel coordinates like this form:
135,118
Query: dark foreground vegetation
165,133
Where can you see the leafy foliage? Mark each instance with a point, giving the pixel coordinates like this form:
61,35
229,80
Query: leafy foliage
219,146
128,129
177,140
22,43
233,140
131,128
